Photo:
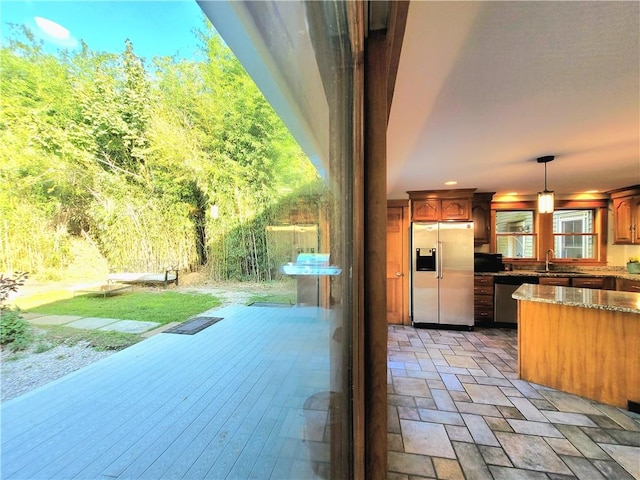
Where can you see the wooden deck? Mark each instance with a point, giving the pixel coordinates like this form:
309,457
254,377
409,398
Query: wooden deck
224,403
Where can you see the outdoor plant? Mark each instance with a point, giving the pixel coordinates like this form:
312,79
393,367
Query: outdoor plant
14,330
119,184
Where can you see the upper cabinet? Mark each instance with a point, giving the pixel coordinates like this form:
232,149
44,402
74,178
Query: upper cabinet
626,216
435,205
425,210
455,209
481,216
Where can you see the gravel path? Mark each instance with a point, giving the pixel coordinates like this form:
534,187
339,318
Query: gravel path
24,371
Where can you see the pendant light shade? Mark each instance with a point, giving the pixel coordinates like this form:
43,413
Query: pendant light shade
545,202
546,197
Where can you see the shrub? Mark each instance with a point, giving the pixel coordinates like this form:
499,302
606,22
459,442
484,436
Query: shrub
14,330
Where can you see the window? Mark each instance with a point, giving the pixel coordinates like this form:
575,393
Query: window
300,54
576,231
573,234
515,235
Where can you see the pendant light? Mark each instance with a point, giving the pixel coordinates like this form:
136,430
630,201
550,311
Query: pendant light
545,198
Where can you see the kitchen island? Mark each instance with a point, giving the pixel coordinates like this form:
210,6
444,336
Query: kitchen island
581,341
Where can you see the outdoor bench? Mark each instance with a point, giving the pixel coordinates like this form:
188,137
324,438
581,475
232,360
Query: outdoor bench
169,276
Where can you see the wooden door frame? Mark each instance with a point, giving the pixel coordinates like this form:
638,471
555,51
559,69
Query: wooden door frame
406,222
381,55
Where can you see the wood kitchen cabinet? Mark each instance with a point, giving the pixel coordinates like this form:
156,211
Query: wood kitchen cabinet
426,210
455,209
436,205
557,281
599,283
626,216
448,209
628,285
483,298
589,282
590,352
481,216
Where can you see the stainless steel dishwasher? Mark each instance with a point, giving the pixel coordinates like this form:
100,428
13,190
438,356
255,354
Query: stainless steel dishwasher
505,308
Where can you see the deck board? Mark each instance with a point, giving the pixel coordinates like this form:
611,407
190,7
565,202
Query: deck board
113,419
186,415
231,411
224,403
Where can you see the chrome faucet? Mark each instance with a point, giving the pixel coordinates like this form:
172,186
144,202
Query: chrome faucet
546,262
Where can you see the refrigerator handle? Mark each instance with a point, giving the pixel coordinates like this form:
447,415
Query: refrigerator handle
440,272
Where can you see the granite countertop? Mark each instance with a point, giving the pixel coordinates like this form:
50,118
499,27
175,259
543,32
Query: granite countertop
580,297
600,273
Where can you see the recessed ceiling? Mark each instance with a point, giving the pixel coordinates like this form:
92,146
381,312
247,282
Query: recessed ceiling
484,88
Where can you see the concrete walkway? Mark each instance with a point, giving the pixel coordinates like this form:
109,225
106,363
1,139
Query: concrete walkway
147,329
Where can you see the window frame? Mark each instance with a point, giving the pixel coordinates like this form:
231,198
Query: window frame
584,246
513,235
545,237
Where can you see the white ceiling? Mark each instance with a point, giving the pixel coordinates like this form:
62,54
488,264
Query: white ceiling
483,88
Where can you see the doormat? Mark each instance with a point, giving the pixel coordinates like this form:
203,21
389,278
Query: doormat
193,326
267,304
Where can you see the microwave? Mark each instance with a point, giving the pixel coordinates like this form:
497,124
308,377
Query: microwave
487,262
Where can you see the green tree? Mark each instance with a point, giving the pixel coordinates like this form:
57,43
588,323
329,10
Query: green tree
134,156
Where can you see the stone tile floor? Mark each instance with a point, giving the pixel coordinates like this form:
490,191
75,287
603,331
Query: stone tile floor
457,410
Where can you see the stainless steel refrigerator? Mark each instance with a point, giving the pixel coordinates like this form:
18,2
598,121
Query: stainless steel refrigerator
442,273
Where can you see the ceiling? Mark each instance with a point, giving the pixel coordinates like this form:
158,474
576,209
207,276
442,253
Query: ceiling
483,88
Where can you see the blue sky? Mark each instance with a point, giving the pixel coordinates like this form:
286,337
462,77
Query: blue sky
156,28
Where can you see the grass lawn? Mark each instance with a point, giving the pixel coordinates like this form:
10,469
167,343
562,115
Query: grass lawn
52,336
286,298
162,307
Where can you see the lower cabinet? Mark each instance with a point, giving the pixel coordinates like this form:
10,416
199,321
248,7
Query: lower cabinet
600,283
589,282
483,291
628,285
483,299
557,281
